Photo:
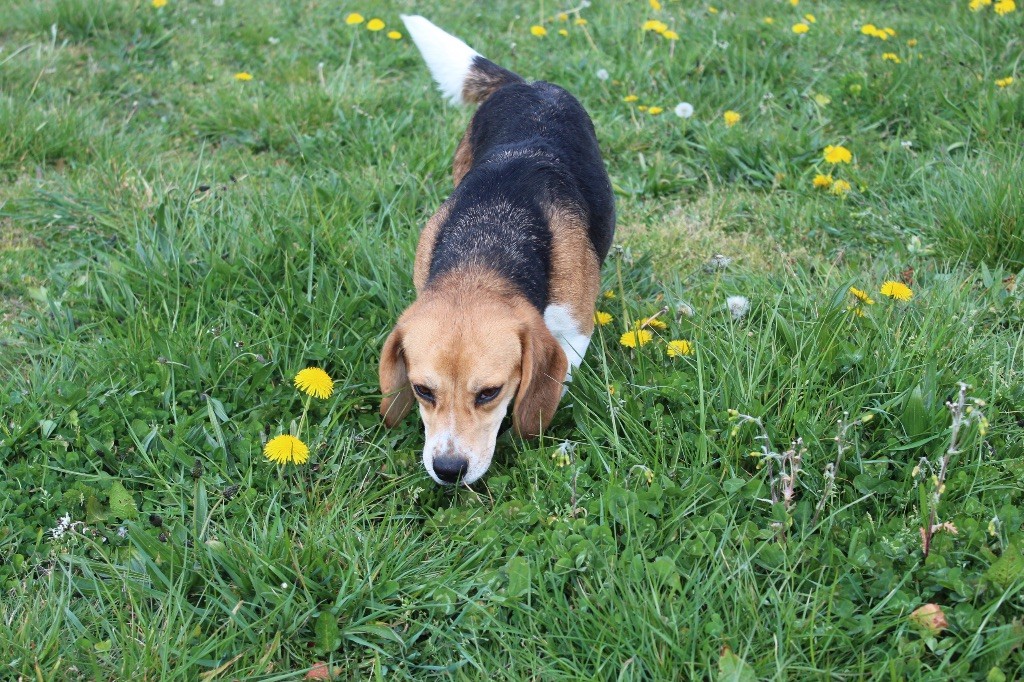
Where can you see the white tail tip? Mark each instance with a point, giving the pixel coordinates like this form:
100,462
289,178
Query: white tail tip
448,58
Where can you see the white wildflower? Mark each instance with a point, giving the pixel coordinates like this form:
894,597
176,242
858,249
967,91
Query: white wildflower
739,306
122,531
684,110
718,262
62,527
602,74
684,309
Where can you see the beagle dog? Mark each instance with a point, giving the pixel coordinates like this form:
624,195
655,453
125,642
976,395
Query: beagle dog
507,270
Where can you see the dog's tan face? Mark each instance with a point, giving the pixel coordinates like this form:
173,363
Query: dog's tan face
464,362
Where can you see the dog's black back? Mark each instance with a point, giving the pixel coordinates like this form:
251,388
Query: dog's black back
533,150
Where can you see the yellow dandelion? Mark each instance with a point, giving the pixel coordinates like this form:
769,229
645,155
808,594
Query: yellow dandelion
794,2
354,18
912,42
286,449
800,28
976,5
538,31
838,154
610,294
374,25
654,111
731,118
580,21
679,347
654,25
243,76
157,4
768,20
643,107
602,318
563,16
394,35
840,188
889,32
315,382
809,18
562,32
630,98
822,181
655,5
670,35
712,9
1004,7
891,57
861,296
651,322
897,290
636,338
1005,82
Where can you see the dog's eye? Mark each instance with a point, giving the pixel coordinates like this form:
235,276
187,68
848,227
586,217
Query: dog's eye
487,395
423,392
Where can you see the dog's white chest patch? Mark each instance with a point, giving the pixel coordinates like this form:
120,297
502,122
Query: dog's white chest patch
565,330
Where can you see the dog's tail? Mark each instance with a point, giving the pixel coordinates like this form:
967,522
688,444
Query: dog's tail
460,72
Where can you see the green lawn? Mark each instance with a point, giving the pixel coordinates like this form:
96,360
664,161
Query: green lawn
176,243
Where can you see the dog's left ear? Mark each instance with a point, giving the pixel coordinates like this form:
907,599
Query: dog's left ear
394,381
540,389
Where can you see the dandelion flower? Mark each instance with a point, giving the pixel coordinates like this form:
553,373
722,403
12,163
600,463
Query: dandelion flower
897,290
602,318
610,294
670,35
801,28
315,382
563,16
768,20
654,111
891,57
652,322
654,25
890,32
712,9
679,347
861,296
809,18
739,306
837,154
580,21
683,110
602,74
636,338
912,42
731,118
1005,82
655,5
354,18
976,5
374,25
538,31
840,188
643,107
794,2
285,448
243,76
394,35
822,181
157,4
562,32
630,98
1004,7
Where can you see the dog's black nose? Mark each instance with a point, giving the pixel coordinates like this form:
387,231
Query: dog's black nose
450,469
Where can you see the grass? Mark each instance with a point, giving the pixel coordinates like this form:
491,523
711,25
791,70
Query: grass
175,244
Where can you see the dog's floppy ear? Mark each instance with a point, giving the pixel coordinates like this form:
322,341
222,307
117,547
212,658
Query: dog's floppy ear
540,389
394,381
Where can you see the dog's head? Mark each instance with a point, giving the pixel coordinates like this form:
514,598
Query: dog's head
464,358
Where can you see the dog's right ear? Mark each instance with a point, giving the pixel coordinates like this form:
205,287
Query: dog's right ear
394,381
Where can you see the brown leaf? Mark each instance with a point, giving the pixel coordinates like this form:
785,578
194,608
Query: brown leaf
930,617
